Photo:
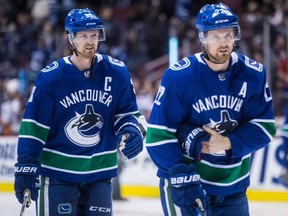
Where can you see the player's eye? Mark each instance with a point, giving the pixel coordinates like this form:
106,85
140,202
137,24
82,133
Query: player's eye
213,38
83,37
94,36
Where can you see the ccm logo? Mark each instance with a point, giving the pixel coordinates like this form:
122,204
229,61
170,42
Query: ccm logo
99,209
185,179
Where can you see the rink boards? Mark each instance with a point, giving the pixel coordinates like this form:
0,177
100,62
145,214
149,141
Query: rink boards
138,177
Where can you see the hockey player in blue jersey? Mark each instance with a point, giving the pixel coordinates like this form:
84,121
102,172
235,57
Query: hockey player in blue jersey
81,110
212,110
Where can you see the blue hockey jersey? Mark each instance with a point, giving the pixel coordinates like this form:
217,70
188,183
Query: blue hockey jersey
70,121
237,103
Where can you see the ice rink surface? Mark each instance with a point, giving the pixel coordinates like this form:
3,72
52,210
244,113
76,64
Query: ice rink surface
133,206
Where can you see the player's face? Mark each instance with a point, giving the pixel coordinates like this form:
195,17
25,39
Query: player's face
86,42
219,44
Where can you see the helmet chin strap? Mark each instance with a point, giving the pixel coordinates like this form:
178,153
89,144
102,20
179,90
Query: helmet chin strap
91,68
72,46
74,50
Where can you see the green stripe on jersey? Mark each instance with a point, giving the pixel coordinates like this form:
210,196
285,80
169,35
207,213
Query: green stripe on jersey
157,135
270,127
34,130
76,164
137,114
224,174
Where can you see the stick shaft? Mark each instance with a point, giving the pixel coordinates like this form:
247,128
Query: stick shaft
26,201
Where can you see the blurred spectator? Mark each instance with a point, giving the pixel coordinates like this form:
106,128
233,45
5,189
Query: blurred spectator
40,56
283,75
40,11
145,98
31,33
281,90
11,109
112,28
257,55
59,9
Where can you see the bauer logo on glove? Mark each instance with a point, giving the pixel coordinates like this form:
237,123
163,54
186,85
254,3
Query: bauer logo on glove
191,139
22,169
182,181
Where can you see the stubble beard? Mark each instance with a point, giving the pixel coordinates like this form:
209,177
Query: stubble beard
87,53
220,56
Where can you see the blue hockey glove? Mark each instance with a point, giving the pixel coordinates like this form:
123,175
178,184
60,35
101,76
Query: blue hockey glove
190,138
186,189
130,141
26,177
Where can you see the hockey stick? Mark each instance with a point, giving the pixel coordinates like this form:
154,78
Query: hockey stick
200,206
143,122
122,143
26,201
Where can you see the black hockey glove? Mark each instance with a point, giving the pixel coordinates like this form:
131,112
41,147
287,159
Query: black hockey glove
26,173
190,138
130,141
186,190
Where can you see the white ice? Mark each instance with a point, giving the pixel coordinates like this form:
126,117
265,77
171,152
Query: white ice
9,206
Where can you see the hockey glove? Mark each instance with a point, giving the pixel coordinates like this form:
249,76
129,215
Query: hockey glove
190,138
26,177
130,141
186,189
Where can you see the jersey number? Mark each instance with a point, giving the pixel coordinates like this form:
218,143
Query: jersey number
160,93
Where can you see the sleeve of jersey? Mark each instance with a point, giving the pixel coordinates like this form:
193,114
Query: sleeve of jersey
259,127
167,114
34,127
127,112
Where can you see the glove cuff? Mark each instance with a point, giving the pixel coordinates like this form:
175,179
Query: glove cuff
130,128
28,159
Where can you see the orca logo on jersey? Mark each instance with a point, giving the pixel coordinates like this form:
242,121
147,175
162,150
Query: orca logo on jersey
184,63
84,129
116,61
50,67
225,125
